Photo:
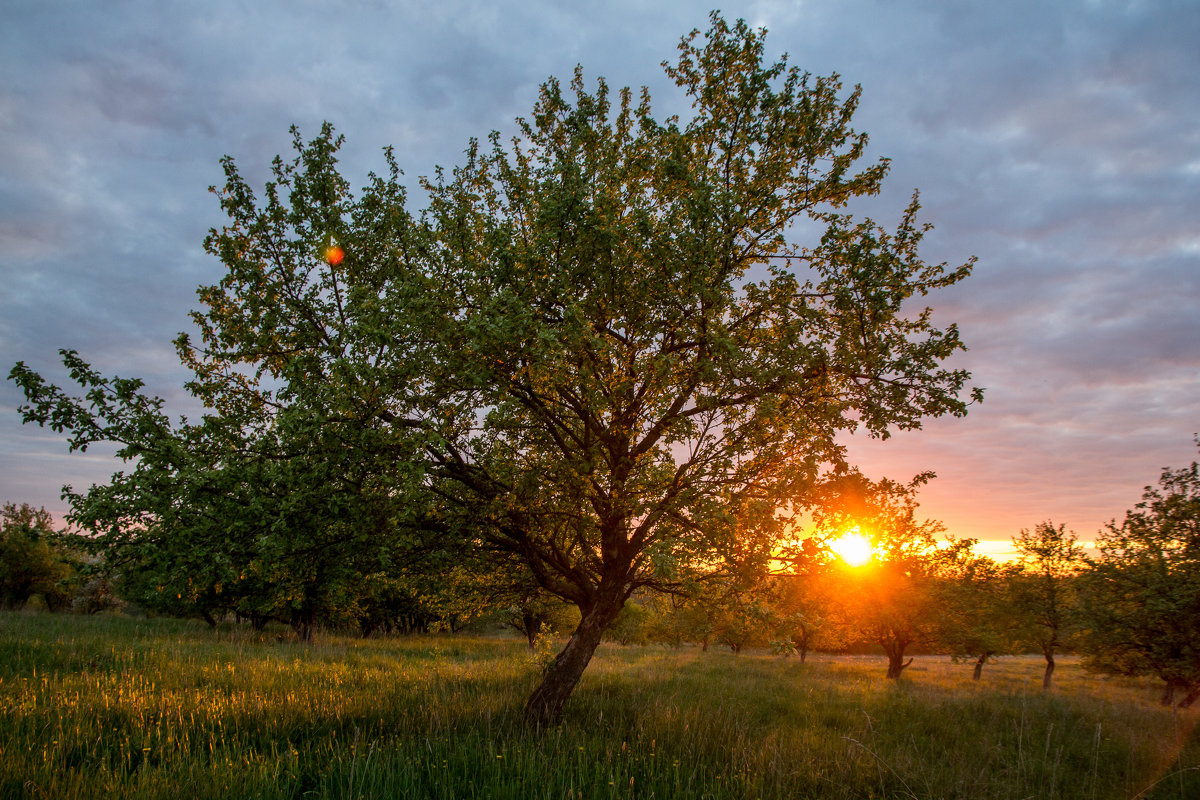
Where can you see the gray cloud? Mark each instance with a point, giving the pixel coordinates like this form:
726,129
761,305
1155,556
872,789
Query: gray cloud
1059,142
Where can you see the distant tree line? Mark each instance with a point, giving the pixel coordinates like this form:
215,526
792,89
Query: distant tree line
1132,609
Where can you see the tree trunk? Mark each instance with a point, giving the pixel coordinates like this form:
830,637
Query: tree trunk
531,626
896,662
1049,670
303,621
1168,697
544,706
896,665
979,662
804,643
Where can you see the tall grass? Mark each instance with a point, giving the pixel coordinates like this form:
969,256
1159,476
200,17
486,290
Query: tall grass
118,707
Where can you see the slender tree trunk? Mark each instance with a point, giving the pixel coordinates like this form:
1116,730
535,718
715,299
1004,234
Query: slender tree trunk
303,621
806,642
1049,669
545,704
532,626
979,662
896,665
896,662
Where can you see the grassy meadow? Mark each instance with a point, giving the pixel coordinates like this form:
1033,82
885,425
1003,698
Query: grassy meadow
134,708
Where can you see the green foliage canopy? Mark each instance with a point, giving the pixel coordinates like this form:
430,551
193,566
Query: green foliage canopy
35,560
1144,590
898,599
1043,593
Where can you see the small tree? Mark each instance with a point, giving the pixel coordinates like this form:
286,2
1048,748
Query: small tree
685,617
803,596
35,560
894,600
1143,593
743,619
501,590
1043,595
975,625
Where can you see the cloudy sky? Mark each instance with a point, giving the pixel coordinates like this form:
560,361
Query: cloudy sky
1057,141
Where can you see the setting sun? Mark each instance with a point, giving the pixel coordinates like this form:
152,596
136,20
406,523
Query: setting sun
854,548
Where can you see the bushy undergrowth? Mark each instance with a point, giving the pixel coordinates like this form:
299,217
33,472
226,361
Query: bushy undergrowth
118,707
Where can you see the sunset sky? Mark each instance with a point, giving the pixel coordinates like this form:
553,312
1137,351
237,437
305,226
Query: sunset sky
1059,142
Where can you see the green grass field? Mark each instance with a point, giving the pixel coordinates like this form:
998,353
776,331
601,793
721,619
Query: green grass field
121,707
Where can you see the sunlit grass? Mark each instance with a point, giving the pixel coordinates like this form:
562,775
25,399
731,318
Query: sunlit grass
116,707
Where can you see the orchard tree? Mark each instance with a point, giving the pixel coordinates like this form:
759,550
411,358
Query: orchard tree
1042,589
1143,592
741,618
481,586
976,623
662,366
896,599
600,353
35,560
295,482
686,617
804,597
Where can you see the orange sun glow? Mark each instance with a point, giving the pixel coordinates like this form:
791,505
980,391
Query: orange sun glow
853,548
